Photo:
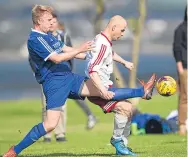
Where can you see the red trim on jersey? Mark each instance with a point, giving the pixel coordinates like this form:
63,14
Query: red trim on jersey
91,72
110,86
99,58
106,38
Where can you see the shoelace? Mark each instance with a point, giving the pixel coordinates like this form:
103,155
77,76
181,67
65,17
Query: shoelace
130,149
123,146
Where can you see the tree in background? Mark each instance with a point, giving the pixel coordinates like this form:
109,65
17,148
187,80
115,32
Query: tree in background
136,44
99,15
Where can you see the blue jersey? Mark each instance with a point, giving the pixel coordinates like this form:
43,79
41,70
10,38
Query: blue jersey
40,47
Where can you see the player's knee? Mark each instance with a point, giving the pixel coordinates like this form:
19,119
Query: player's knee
50,126
51,120
124,108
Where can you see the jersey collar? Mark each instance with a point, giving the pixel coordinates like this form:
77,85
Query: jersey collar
106,38
34,30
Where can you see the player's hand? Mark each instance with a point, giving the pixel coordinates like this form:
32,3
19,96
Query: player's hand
87,46
129,65
107,95
180,70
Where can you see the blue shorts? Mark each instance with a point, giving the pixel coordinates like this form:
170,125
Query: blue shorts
58,87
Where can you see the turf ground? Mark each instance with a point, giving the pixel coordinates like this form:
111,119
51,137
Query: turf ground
17,117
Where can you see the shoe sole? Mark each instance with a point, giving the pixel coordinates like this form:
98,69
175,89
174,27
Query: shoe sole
118,153
149,95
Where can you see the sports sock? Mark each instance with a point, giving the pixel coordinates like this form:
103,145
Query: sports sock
120,122
35,133
126,93
126,132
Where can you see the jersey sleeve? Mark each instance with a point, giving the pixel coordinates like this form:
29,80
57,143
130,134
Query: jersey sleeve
40,46
177,45
98,57
59,49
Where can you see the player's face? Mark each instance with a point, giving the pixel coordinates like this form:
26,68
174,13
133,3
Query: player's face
45,22
119,31
54,25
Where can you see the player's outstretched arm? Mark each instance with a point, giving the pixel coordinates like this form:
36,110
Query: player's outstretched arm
68,49
117,58
70,53
81,56
105,94
95,64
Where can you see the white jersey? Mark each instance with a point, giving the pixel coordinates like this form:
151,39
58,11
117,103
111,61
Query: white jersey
101,61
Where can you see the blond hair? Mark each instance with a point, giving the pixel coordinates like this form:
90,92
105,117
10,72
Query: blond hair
39,10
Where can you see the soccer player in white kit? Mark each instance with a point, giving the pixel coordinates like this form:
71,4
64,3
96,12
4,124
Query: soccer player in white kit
99,68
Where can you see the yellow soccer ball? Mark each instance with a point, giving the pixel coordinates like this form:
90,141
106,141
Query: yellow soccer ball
166,86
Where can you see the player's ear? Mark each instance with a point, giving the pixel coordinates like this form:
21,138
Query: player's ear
39,21
113,28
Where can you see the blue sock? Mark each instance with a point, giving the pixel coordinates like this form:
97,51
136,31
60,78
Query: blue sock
36,132
126,93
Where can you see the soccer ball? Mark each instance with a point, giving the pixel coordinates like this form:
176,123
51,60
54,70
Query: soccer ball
166,86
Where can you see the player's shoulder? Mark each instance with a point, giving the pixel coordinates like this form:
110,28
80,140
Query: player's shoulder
37,34
36,37
99,40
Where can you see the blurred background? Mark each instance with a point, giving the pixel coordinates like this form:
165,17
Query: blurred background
150,38
147,43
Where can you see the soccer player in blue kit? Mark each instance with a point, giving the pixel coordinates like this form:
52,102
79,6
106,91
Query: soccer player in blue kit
59,83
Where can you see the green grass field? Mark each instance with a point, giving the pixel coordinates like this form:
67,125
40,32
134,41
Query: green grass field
17,117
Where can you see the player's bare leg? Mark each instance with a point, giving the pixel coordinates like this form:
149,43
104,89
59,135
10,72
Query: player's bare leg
51,120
